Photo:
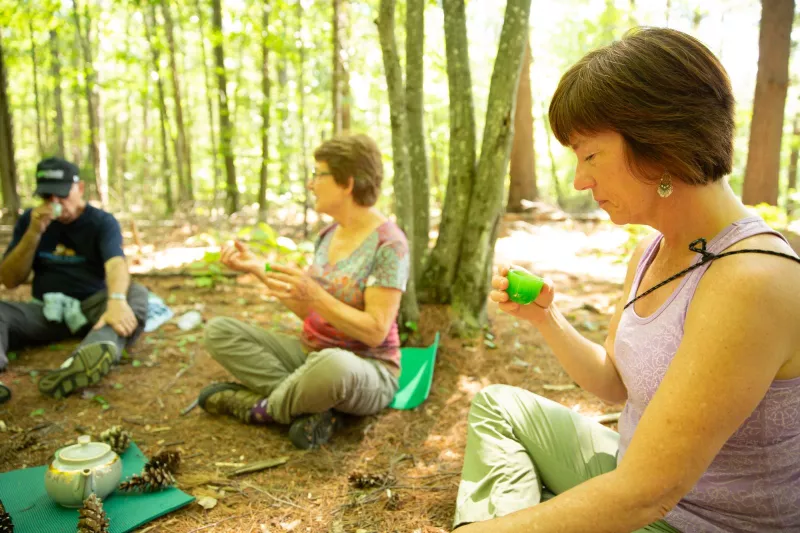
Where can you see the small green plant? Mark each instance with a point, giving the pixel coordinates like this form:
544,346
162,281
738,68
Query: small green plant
207,272
774,216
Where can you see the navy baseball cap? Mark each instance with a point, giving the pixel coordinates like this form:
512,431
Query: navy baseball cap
55,176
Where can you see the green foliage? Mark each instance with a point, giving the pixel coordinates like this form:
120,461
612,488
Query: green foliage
774,216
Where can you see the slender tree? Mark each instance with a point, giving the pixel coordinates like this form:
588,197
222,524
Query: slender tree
226,127
97,143
440,270
166,170
523,156
55,74
301,95
265,87
791,181
209,102
8,166
761,175
404,203
415,111
183,152
341,78
36,99
471,288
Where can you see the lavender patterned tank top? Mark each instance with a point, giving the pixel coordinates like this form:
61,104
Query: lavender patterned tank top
753,484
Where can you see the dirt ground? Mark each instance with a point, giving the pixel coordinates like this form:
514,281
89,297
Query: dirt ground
422,448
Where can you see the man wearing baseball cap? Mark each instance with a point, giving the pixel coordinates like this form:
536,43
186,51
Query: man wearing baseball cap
81,285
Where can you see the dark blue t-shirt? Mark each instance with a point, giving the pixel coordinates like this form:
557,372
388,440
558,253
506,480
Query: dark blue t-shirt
71,257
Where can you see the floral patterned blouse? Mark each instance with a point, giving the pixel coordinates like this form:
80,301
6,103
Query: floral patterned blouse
382,260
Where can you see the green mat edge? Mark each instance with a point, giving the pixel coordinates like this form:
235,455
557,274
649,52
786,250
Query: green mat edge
434,347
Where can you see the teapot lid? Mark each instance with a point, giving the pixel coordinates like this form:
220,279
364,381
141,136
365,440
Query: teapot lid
84,451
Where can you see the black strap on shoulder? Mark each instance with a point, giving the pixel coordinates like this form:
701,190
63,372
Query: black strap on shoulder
699,246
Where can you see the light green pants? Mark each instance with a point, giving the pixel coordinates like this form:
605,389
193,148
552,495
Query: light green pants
523,448
296,383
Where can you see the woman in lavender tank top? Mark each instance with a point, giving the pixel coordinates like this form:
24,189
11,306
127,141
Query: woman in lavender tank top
708,364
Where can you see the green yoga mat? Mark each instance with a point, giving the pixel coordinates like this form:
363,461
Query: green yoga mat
32,510
416,375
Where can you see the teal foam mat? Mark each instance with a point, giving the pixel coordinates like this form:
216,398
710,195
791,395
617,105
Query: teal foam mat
32,510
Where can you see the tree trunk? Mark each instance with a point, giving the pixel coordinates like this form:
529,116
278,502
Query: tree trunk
8,167
55,72
415,111
440,270
183,153
265,86
36,104
285,147
404,205
166,170
94,104
791,182
226,128
301,111
209,103
761,175
77,126
471,287
523,156
341,81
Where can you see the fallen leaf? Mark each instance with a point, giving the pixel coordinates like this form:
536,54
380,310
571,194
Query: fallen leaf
207,502
37,412
519,362
288,526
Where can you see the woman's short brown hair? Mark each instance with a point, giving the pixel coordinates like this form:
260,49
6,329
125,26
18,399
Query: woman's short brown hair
354,156
667,95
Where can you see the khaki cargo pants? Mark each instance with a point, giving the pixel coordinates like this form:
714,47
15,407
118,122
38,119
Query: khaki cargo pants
296,383
523,448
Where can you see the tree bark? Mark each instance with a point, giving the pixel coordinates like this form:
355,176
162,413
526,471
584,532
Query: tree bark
166,171
55,72
404,205
183,153
226,127
523,155
440,270
761,175
36,104
209,103
93,100
265,87
415,111
471,287
553,167
8,166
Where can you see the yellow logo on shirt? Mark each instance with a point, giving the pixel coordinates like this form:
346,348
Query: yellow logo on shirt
63,251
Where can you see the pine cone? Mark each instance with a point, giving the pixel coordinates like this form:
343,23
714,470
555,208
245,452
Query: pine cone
360,480
92,518
6,525
117,438
169,460
152,479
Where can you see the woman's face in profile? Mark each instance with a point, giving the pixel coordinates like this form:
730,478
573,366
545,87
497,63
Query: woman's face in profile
602,169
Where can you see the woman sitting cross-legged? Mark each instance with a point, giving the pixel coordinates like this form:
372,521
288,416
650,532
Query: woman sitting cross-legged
707,362
348,356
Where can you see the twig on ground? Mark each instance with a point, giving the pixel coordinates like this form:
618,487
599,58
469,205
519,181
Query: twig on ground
608,418
136,422
259,465
189,408
267,493
217,523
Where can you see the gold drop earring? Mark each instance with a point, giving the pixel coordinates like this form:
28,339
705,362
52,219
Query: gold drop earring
665,187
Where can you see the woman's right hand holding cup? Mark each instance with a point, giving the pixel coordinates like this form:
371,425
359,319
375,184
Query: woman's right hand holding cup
523,282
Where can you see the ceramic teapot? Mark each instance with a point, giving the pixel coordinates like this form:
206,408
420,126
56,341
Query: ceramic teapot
82,469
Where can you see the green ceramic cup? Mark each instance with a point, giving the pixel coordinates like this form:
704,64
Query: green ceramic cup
523,288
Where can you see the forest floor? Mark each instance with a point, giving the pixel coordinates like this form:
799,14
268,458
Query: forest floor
421,448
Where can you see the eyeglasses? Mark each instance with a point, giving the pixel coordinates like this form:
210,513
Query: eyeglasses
317,175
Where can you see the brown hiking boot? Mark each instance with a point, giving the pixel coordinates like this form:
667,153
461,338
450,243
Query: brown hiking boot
230,399
85,367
